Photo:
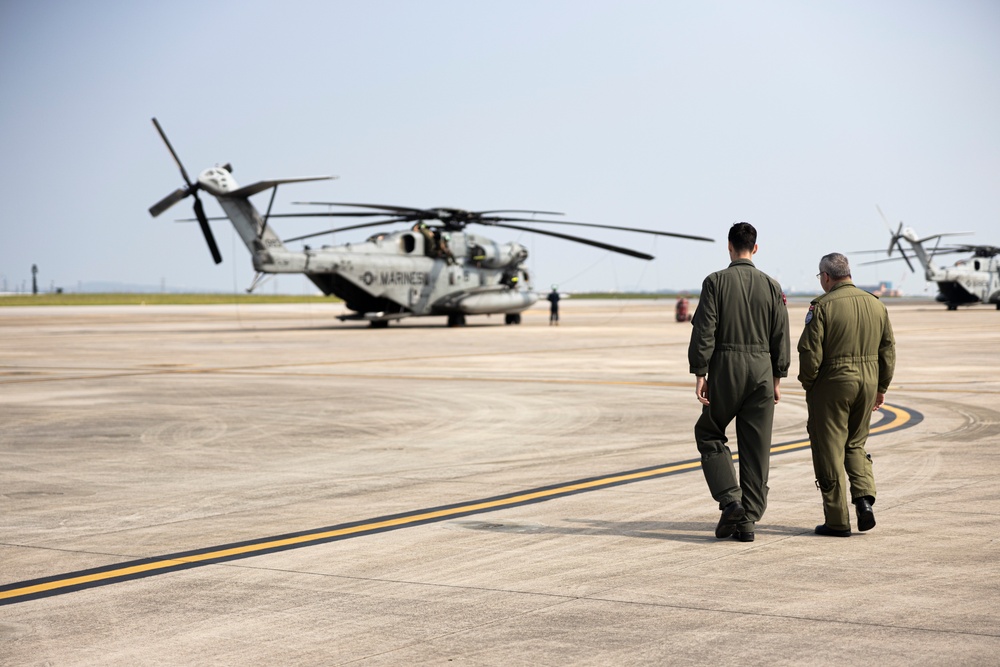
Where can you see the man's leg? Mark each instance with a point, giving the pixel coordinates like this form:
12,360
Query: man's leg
716,457
856,460
827,426
753,434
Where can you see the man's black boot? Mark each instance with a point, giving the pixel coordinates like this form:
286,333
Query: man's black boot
866,516
731,515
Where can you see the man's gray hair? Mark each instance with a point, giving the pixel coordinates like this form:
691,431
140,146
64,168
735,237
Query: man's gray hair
835,265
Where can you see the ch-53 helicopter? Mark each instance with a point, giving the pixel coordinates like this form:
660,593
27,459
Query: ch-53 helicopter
972,280
433,268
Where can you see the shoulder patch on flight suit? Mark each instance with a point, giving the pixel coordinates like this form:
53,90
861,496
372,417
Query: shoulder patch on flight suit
809,314
783,299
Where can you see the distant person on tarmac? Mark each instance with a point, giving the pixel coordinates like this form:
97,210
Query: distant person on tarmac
554,306
738,354
847,356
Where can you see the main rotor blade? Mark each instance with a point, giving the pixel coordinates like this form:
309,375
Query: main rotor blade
398,209
168,201
163,135
344,229
866,252
430,212
948,250
514,210
625,229
596,244
979,250
329,215
905,258
298,215
199,212
880,261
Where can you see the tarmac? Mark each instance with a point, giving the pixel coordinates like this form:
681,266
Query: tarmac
260,485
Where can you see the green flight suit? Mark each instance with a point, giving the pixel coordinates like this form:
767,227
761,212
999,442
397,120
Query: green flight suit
846,355
740,340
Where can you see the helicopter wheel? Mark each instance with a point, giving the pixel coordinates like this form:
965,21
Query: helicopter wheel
456,320
379,324
512,318
952,306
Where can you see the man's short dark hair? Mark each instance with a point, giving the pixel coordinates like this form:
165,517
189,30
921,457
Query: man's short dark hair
743,236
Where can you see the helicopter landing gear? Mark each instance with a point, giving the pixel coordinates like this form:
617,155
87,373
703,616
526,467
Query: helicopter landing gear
512,318
952,306
379,324
456,320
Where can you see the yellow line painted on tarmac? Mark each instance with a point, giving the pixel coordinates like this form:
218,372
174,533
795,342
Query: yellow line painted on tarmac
326,535
21,591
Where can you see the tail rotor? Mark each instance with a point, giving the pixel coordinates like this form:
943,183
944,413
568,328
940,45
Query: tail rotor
181,193
894,241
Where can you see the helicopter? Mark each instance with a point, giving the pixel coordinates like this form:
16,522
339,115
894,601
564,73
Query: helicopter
972,280
434,267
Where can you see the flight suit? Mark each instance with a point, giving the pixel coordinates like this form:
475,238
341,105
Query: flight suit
740,340
846,355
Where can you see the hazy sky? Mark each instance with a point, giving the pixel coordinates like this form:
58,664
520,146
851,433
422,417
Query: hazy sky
799,117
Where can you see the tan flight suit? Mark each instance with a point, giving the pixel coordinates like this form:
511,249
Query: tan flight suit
740,339
846,355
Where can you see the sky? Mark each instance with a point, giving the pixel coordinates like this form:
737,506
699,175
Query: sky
799,117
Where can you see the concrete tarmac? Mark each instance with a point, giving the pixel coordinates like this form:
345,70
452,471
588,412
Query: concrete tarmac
263,485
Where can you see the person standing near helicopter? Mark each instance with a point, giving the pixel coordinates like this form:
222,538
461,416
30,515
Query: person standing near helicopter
739,352
553,298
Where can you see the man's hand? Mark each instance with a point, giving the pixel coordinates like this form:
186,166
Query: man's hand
701,389
777,390
879,400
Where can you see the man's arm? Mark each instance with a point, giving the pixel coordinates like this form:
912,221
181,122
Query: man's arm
886,356
705,320
810,347
780,343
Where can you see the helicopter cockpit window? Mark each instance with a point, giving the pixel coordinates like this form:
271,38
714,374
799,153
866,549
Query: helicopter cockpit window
976,264
409,243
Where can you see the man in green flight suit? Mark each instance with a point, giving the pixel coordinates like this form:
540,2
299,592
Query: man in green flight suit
847,356
739,352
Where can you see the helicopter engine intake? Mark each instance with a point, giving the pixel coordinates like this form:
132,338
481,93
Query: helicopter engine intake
491,255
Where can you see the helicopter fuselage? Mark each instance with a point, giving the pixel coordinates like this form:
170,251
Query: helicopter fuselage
974,280
393,274
969,281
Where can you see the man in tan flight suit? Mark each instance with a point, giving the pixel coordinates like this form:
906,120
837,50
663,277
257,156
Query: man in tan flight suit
739,352
847,356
